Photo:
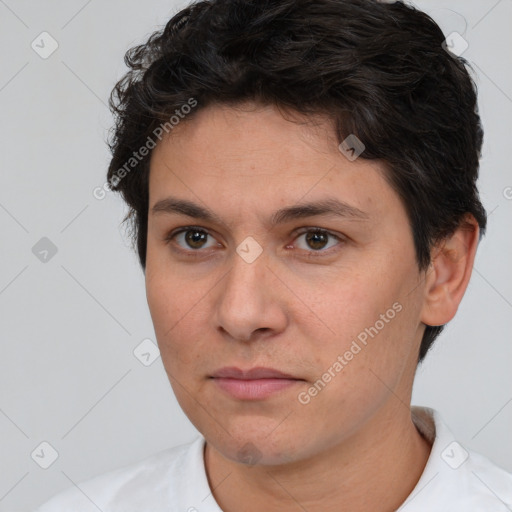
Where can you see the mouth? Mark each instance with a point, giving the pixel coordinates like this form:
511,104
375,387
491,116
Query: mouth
253,384
259,372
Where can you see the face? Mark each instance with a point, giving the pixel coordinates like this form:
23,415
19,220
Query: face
332,299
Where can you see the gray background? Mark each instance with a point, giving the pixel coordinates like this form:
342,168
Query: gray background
68,375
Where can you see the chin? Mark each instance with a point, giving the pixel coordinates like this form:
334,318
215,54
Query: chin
260,446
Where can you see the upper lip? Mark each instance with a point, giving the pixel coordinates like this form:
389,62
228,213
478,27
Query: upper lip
258,372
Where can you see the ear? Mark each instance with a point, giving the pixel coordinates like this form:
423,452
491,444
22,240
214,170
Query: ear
448,275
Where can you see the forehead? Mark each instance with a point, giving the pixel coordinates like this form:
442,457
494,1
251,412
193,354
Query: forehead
249,157
249,134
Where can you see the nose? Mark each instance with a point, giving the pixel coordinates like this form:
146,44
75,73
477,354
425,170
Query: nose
251,300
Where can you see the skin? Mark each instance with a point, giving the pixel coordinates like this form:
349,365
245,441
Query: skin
354,446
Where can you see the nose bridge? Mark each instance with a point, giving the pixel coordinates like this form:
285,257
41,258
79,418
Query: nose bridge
245,301
247,274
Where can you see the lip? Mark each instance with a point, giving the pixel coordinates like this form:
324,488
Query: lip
259,372
253,384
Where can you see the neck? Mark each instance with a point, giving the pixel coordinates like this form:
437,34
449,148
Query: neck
375,469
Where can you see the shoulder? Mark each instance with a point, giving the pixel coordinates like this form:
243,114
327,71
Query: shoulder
487,482
476,484
456,478
154,481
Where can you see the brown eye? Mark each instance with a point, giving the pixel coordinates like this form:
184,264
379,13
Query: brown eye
317,241
195,238
190,238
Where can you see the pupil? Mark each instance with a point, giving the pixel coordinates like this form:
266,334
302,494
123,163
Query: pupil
195,237
312,239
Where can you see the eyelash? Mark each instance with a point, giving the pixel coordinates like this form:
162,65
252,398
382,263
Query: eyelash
309,254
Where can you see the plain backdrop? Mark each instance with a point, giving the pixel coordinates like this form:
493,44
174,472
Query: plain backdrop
70,324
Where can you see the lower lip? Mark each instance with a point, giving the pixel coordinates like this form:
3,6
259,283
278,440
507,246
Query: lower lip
256,389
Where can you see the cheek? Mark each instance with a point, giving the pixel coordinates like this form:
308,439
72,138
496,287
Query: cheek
372,320
346,302
170,310
178,304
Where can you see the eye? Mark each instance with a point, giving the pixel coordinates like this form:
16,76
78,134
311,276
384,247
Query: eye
190,238
317,240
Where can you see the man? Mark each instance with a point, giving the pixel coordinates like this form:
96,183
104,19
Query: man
301,182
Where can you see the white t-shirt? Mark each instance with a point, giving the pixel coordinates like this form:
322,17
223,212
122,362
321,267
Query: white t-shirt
454,480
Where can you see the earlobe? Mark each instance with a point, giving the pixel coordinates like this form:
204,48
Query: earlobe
448,276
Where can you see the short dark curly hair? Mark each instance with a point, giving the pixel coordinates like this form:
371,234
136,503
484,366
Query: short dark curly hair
378,70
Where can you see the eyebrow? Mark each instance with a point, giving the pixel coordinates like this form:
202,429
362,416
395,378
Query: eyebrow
327,206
